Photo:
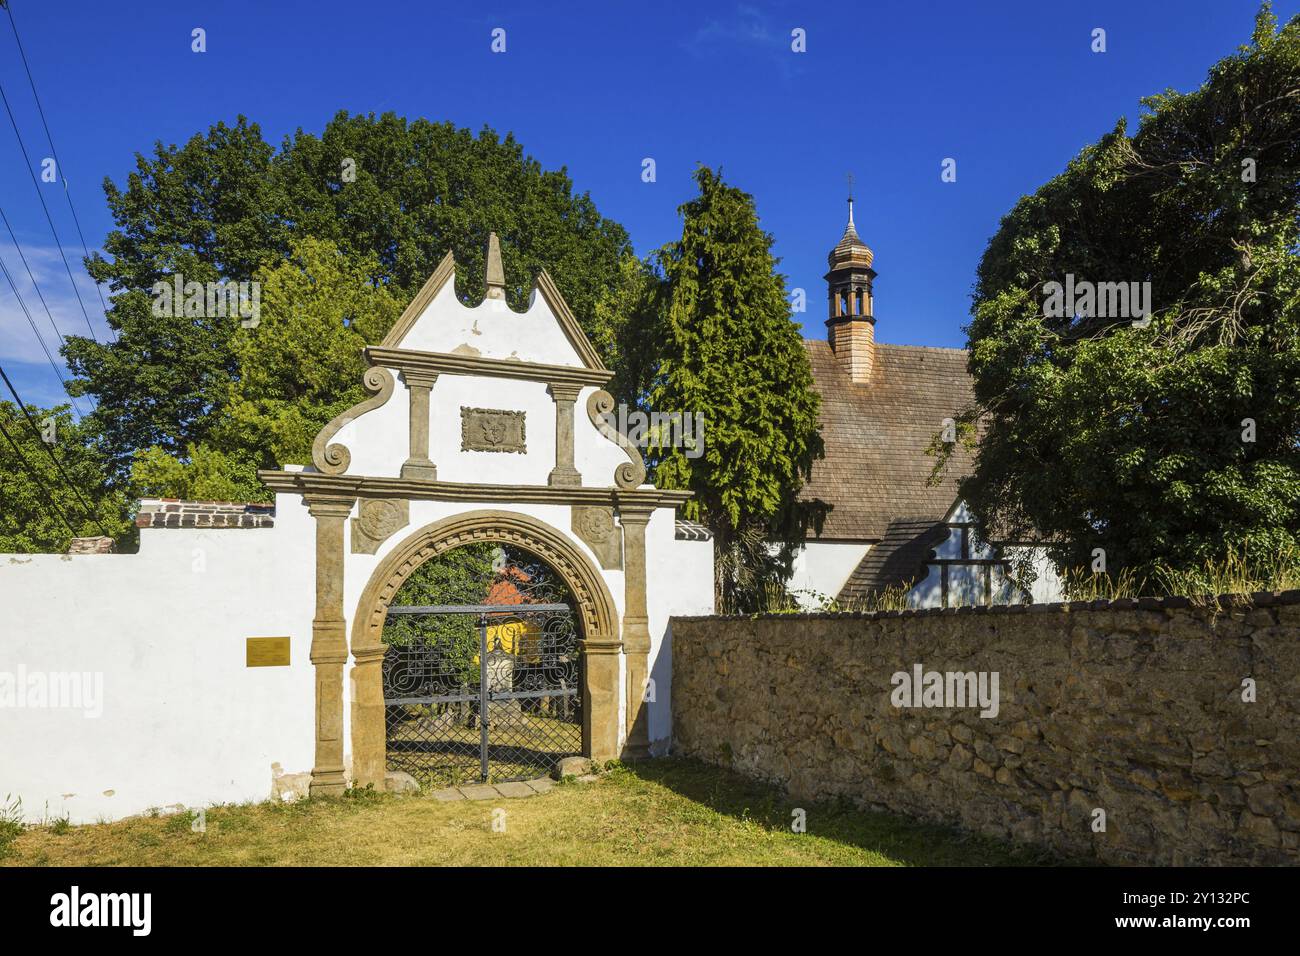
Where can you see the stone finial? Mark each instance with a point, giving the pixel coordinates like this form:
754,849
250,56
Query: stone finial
496,273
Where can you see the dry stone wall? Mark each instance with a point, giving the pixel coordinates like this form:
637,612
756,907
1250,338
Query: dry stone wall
1139,731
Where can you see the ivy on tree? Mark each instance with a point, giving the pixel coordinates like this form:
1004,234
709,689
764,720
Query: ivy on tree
1178,441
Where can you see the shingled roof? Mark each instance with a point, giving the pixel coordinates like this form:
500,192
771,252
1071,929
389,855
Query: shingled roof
876,434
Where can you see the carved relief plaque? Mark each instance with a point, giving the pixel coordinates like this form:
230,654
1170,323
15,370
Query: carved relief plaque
377,520
491,429
596,527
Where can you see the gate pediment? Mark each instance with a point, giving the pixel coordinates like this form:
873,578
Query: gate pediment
482,395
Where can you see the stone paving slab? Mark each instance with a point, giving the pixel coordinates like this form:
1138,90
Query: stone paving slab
515,789
486,791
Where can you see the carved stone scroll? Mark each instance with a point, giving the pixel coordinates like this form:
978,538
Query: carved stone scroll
334,459
632,473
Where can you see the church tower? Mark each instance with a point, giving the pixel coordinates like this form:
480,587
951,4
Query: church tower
851,326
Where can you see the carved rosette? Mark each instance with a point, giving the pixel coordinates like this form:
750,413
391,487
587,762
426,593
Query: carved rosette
595,526
378,519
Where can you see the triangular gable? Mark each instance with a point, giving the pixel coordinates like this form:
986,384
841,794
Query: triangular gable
545,286
406,321
568,322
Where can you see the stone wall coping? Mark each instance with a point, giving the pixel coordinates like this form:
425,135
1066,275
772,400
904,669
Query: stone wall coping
1225,602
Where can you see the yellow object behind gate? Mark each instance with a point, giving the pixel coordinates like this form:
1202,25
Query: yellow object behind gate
521,640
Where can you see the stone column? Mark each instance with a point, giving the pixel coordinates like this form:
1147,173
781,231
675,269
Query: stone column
329,644
600,705
564,472
636,628
419,465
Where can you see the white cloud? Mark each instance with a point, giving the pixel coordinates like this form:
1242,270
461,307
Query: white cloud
17,342
747,27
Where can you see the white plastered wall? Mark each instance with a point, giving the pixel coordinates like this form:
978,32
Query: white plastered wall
182,720
822,568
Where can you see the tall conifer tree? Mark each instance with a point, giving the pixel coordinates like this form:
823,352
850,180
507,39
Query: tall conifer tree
729,348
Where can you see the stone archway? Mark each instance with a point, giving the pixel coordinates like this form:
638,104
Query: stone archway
600,644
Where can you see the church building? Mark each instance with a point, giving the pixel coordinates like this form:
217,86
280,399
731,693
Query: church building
886,527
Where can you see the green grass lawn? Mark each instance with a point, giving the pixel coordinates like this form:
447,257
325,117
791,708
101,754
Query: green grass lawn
662,812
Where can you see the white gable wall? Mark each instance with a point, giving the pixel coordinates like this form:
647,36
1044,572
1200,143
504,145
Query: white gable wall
491,330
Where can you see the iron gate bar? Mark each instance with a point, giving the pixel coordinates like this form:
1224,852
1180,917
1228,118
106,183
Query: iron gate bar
476,608
455,699
533,694
485,695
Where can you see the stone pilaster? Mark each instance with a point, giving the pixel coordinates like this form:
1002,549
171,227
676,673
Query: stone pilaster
418,464
600,705
564,472
636,628
329,644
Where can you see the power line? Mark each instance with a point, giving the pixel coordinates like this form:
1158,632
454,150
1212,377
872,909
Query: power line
32,471
57,162
4,269
48,218
58,465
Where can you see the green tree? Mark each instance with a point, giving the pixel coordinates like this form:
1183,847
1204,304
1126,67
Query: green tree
727,346
38,498
297,368
624,330
393,194
1172,442
208,211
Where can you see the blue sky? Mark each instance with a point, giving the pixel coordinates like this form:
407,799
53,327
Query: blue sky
887,90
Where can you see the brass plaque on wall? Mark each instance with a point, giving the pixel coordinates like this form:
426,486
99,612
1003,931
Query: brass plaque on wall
491,429
267,652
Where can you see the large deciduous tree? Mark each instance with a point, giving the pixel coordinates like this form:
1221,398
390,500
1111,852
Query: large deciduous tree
393,194
297,368
1168,442
728,347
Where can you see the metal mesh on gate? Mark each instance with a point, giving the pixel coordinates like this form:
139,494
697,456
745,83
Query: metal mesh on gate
483,692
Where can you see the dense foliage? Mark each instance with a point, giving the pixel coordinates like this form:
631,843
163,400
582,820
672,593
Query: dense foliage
1168,442
39,497
301,365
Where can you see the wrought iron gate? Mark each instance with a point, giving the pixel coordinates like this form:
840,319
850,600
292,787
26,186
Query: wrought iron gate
483,692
